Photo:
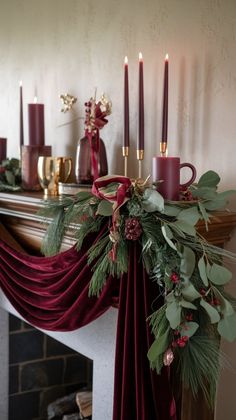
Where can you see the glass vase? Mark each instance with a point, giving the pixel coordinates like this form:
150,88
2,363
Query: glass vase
89,154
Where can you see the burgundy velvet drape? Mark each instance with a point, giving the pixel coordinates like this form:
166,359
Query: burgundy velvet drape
52,293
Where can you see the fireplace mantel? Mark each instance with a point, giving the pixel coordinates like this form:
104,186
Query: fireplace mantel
24,229
18,212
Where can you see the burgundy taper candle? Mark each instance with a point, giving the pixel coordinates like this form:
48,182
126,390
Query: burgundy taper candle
21,116
36,124
126,104
141,106
165,103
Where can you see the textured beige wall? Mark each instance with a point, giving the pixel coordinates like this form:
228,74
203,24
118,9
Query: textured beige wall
55,46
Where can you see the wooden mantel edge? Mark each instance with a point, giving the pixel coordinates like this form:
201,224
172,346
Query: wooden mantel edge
18,211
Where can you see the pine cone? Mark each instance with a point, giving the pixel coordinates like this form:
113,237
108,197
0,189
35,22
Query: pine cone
133,229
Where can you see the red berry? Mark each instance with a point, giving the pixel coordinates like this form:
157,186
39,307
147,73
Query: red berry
202,291
174,278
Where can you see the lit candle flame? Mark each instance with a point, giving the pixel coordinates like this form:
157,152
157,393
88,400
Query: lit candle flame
35,100
167,57
126,59
140,56
20,83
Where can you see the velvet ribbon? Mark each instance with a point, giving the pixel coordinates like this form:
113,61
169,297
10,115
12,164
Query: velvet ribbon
94,142
52,293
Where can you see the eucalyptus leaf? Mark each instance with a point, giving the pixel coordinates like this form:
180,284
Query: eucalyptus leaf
219,275
84,195
216,204
189,329
202,271
186,304
225,194
170,297
171,210
187,263
110,189
173,314
206,193
168,235
152,201
227,327
209,179
211,311
105,208
10,177
190,293
189,216
159,346
226,307
185,227
204,213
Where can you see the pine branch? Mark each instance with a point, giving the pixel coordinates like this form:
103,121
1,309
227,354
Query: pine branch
199,363
54,235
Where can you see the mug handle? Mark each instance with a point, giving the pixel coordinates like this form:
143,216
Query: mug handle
69,163
194,174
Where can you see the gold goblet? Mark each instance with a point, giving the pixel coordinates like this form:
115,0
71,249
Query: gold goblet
46,172
51,171
63,168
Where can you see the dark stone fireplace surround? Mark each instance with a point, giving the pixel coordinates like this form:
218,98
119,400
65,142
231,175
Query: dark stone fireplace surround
41,369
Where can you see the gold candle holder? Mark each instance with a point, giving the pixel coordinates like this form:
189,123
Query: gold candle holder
163,148
125,153
140,157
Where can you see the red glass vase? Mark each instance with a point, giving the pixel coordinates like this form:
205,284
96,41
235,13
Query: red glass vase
91,160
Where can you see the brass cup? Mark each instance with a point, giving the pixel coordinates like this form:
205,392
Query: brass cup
51,171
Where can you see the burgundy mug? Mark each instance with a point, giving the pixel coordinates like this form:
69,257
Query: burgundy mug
166,171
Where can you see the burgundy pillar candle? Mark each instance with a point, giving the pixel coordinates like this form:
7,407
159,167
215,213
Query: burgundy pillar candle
167,170
126,104
36,124
21,116
3,148
165,102
29,168
140,145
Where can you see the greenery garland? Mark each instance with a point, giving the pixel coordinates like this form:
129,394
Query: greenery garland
190,272
10,175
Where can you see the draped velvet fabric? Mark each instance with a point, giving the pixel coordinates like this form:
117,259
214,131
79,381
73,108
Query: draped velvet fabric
52,293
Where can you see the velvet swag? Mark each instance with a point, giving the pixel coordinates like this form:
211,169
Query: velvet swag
52,293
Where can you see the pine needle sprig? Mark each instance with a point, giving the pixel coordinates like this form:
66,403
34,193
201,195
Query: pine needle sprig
97,248
199,364
89,225
52,240
157,320
101,269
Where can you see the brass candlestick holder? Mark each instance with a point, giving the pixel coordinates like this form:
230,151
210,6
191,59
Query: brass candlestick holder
140,157
125,154
163,148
